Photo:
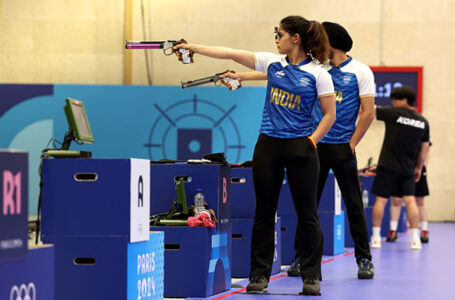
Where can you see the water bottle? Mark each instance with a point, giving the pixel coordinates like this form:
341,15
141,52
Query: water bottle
199,201
365,198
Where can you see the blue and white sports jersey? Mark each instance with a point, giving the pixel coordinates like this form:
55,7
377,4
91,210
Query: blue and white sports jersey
352,80
292,91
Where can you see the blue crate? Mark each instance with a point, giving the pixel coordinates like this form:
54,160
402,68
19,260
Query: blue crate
242,230
109,268
13,204
198,261
96,197
243,201
333,232
212,178
32,276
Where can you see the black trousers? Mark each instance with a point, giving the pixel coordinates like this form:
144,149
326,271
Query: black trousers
343,163
271,157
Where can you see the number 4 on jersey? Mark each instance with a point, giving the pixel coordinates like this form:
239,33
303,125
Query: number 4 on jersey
338,96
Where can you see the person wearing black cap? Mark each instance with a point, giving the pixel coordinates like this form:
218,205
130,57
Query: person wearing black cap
354,88
339,38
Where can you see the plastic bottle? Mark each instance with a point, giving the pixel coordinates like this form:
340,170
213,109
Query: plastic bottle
199,200
365,198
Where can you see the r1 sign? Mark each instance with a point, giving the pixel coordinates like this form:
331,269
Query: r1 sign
13,204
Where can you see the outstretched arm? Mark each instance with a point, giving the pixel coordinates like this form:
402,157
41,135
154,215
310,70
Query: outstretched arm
244,76
245,58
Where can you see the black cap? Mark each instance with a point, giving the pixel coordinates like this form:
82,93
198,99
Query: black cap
338,36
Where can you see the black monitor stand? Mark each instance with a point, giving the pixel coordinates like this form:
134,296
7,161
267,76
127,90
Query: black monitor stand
64,151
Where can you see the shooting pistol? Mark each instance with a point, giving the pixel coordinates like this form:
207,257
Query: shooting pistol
232,84
185,56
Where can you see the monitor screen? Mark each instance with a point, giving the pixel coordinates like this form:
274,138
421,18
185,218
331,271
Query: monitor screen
81,121
78,121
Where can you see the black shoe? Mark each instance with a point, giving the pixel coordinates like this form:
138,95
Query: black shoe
258,284
294,270
392,236
311,286
366,269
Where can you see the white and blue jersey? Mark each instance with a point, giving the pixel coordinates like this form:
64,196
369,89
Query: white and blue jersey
352,80
292,91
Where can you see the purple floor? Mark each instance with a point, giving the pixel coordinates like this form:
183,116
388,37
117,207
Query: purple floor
400,273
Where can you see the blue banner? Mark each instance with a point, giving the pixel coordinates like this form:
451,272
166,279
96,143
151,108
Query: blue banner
152,122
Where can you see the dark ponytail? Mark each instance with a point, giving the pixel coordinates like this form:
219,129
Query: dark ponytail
312,34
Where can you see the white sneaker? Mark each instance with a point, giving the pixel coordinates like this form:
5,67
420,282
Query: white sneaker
416,244
375,242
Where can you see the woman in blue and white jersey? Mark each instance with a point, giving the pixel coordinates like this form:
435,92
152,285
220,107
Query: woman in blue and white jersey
287,140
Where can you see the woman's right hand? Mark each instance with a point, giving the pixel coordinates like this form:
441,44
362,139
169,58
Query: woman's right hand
183,45
183,49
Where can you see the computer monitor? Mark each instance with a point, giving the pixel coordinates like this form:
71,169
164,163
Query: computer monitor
79,131
79,127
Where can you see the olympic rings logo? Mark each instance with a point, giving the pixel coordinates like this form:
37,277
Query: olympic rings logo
23,292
